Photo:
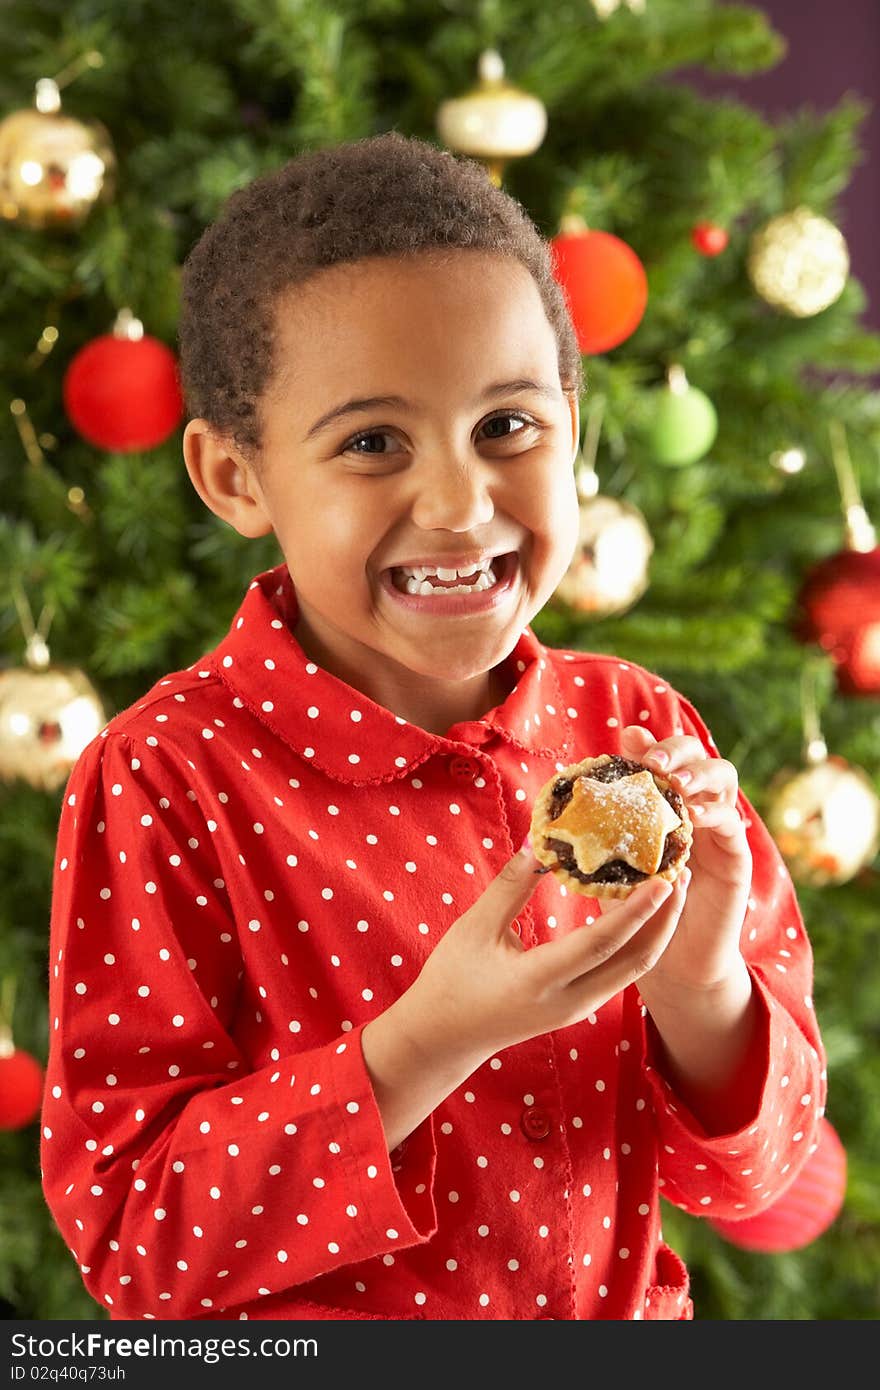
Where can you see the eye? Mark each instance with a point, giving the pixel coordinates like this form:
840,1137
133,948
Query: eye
366,435
508,415
369,435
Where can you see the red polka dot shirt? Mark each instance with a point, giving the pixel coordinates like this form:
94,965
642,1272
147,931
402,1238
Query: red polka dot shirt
252,862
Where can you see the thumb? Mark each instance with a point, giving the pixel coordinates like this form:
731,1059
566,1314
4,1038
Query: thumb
635,739
510,890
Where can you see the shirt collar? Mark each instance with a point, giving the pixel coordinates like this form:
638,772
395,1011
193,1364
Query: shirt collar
342,731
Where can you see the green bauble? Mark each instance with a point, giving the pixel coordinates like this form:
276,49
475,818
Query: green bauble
683,425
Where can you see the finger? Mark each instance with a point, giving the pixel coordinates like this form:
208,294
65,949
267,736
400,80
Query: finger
557,962
713,775
513,936
635,738
666,755
507,893
668,904
634,959
723,820
674,752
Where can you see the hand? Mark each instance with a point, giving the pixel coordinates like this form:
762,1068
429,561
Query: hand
481,989
705,951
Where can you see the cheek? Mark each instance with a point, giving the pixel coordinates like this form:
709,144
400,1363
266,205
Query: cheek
326,528
556,518
569,529
330,533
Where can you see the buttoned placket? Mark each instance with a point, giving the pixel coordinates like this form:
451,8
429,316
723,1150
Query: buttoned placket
535,1122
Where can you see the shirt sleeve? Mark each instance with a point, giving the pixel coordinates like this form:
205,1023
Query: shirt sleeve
182,1178
737,1175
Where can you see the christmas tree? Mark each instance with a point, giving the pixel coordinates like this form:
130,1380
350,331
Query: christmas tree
728,465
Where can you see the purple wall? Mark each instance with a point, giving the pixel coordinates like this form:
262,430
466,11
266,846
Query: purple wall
833,50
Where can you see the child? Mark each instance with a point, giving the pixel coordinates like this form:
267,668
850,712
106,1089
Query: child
323,1043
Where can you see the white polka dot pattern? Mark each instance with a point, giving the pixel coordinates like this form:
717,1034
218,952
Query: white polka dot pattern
252,864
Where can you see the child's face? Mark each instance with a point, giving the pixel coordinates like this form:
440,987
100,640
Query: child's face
447,477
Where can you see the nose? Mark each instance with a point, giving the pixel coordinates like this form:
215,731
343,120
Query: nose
453,496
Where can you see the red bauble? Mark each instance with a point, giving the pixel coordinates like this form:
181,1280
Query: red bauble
804,1211
605,285
839,608
21,1089
709,238
123,394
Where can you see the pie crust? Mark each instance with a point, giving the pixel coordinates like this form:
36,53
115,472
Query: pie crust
616,878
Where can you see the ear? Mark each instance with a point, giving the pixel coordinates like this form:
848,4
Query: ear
224,479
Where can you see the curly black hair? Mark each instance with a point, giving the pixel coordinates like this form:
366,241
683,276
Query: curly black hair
384,195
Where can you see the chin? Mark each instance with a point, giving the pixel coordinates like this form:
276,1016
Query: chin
445,673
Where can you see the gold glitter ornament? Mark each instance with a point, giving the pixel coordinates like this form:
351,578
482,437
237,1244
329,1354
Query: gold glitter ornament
610,568
48,714
825,819
824,816
53,168
493,121
798,262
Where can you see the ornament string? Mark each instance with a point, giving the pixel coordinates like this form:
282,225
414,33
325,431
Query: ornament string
47,92
36,635
91,59
815,747
587,478
7,1004
860,534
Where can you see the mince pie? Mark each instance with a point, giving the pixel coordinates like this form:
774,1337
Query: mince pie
604,825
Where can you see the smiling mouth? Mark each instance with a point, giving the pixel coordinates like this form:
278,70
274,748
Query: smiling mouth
421,583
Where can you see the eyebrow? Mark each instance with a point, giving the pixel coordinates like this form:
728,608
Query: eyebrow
356,405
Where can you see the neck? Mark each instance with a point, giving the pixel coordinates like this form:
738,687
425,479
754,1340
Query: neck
436,709
432,705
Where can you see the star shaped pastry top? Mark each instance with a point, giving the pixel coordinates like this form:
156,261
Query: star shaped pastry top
626,819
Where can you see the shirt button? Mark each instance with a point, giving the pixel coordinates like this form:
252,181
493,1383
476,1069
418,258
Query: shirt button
465,768
535,1122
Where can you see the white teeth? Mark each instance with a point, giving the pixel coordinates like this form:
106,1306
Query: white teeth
422,572
424,586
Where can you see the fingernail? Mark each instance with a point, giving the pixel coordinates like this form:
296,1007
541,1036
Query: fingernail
526,846
661,759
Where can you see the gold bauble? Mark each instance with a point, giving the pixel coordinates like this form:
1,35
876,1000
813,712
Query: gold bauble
799,262
825,819
47,716
53,168
494,121
609,571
